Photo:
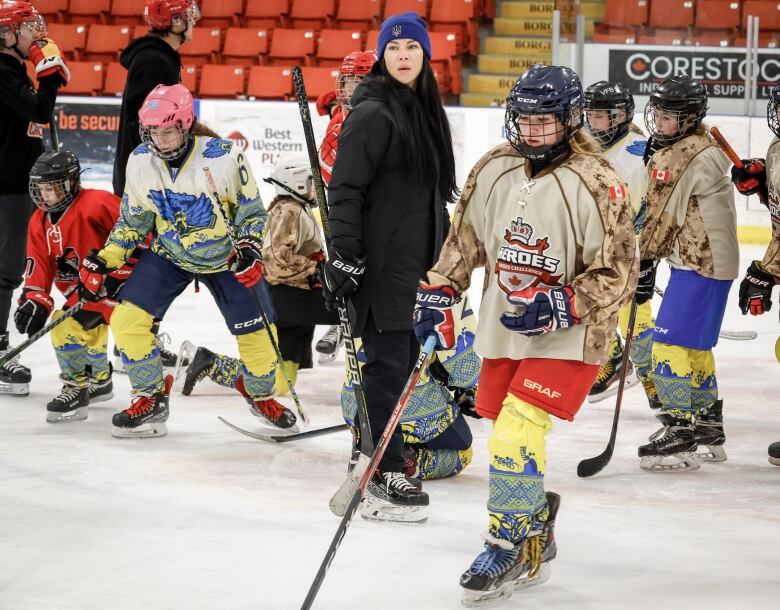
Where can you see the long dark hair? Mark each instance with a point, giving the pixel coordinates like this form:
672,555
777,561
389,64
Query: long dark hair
426,128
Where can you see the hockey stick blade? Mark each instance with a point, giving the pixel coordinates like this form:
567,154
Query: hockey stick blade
285,438
590,466
341,499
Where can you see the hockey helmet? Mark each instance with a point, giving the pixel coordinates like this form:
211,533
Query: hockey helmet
54,180
351,71
292,177
14,13
165,120
675,109
543,90
771,110
603,103
161,14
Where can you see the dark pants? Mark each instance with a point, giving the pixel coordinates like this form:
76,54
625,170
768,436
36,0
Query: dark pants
390,358
15,211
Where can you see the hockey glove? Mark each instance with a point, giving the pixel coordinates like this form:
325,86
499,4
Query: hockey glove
92,276
314,279
542,310
47,59
34,308
340,277
751,178
247,263
433,315
466,400
646,281
755,291
326,102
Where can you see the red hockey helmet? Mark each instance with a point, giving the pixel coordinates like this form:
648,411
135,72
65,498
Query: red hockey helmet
13,13
351,71
159,14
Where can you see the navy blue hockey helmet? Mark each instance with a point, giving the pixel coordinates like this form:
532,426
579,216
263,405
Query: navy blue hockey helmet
541,89
771,110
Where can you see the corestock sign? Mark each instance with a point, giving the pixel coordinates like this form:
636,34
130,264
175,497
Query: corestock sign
722,73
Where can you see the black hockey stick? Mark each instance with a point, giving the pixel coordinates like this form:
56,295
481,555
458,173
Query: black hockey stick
379,451
285,438
10,355
55,138
591,466
366,442
233,240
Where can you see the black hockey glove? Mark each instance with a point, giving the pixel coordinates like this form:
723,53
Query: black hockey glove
755,291
33,311
646,282
340,278
751,178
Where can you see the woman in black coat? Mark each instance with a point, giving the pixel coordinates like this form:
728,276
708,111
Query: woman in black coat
393,176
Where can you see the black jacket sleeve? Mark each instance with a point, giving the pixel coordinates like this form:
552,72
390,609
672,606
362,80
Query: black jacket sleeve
17,96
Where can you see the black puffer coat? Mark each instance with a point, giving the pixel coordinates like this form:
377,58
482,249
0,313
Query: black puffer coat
383,210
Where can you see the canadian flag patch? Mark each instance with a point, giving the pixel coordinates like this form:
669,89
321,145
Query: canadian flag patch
616,191
660,175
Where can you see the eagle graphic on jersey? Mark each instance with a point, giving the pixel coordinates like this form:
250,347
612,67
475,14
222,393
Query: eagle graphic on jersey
216,148
186,213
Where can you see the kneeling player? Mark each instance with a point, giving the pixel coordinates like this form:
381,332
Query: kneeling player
167,193
69,223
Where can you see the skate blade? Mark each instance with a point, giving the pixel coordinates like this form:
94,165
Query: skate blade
152,430
712,453
774,461
19,390
679,462
101,397
79,414
186,353
612,390
326,358
376,509
475,599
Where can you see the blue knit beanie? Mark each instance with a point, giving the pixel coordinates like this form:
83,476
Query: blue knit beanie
404,25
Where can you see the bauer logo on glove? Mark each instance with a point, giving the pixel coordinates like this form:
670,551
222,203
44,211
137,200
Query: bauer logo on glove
433,315
540,310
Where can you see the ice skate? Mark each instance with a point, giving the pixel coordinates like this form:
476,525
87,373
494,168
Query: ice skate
169,359
503,568
145,417
608,378
71,404
119,366
200,362
709,434
392,497
329,345
14,377
273,411
100,391
774,453
672,448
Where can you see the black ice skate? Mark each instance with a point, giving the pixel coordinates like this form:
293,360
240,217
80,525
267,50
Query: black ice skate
169,359
198,368
329,346
272,411
709,434
503,568
100,391
71,404
145,417
672,448
14,377
774,453
608,379
391,496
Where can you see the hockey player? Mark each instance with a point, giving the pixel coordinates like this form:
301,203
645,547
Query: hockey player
551,223
69,223
167,194
352,70
691,221
609,112
23,115
762,177
394,173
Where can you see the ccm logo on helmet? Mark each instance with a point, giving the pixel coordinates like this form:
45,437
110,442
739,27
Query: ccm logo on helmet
538,387
527,100
347,268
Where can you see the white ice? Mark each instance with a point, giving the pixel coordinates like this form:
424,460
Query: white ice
208,519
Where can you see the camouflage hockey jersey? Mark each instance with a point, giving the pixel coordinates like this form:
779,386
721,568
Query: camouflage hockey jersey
771,261
691,218
625,157
177,207
571,225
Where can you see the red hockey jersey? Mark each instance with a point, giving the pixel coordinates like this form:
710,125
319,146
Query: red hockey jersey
330,144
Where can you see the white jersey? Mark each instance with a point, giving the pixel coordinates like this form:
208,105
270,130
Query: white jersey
626,158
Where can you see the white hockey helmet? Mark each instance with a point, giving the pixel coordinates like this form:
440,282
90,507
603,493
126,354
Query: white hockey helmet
292,177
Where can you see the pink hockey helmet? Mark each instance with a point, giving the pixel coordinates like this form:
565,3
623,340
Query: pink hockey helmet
159,14
13,13
351,71
164,108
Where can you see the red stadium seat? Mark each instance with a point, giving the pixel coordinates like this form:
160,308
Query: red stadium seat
711,38
457,16
189,77
291,46
717,14
52,10
89,11
104,42
203,47
372,39
615,35
86,78
625,12
71,38
116,76
221,81
393,7
664,36
768,13
668,14
220,13
445,60
244,46
140,30
266,14
358,14
334,45
269,82
319,80
311,14
127,12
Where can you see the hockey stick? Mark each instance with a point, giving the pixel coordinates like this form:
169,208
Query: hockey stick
733,335
726,147
366,442
590,466
8,356
55,138
234,241
285,438
379,451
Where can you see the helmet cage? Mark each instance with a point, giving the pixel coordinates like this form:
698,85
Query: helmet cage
569,122
22,15
342,81
686,121
185,136
771,111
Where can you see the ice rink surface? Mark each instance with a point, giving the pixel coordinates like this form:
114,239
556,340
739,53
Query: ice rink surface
205,518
